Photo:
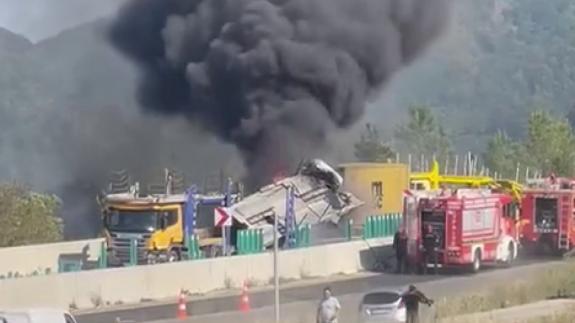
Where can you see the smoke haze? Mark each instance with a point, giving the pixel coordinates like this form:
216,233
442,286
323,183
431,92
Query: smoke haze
273,77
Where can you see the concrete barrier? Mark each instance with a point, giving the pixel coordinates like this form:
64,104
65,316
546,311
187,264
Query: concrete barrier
43,258
94,288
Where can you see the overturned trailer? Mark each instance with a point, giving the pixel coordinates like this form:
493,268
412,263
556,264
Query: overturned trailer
317,198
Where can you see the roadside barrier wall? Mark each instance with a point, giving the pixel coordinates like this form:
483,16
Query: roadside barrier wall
43,258
96,288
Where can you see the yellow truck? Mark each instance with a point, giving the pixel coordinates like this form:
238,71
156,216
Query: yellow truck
160,225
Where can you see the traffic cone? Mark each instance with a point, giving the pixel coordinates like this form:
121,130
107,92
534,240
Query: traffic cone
245,300
182,310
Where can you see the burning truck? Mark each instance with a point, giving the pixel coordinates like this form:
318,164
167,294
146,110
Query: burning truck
316,197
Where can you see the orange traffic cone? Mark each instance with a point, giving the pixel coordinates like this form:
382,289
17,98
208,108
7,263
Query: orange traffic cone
182,310
245,299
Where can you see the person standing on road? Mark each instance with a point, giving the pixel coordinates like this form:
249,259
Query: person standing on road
400,247
430,246
411,298
328,308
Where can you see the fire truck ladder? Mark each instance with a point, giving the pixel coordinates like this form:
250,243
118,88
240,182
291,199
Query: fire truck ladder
564,214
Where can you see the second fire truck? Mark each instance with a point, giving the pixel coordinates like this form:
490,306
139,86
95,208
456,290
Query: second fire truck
473,226
548,216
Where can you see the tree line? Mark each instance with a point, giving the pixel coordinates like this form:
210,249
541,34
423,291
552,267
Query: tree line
547,145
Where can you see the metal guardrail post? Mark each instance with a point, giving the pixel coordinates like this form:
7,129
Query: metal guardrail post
388,224
349,229
133,252
261,247
103,260
366,228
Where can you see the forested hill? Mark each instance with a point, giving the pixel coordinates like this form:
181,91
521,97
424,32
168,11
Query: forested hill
500,60
68,113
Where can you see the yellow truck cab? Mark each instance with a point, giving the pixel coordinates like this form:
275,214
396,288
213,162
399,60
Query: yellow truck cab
160,225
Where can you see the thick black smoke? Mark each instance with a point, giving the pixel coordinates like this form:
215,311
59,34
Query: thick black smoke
274,77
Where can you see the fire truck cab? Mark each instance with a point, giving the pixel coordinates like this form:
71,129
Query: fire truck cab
473,226
547,215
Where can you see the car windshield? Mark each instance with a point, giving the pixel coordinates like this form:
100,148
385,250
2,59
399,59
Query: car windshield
133,221
381,298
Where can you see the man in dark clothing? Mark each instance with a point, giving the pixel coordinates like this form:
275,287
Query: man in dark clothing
430,246
400,247
411,299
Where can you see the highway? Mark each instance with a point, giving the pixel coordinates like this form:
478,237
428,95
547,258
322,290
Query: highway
299,302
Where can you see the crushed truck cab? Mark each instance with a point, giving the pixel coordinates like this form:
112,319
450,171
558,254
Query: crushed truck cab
317,194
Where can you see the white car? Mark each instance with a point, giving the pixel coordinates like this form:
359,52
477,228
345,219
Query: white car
36,316
383,306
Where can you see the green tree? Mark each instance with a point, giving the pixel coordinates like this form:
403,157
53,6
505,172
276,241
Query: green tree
550,144
370,147
423,135
502,155
27,217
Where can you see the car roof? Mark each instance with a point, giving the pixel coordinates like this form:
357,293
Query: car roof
34,310
396,290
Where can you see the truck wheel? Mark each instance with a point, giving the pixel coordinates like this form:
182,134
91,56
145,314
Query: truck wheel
174,255
476,265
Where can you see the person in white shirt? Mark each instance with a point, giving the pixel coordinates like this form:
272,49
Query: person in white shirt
328,308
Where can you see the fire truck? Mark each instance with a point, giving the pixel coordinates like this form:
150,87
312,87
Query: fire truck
474,226
547,216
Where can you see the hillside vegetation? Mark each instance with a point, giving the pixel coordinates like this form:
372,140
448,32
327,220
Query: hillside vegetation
68,114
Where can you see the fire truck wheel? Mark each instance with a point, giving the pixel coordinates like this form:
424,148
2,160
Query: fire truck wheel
510,254
476,265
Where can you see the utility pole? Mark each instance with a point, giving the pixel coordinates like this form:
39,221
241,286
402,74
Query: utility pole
276,275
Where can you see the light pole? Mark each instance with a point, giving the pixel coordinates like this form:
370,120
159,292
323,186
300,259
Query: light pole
276,276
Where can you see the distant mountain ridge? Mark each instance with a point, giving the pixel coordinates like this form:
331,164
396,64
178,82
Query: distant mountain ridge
12,43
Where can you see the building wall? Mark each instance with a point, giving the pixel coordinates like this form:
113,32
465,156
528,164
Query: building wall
362,179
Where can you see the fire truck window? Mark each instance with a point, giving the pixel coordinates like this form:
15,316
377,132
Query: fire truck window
546,213
509,210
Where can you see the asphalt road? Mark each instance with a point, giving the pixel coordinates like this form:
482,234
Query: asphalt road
304,311
305,296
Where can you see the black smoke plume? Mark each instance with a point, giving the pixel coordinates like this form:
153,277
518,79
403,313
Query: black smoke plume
274,77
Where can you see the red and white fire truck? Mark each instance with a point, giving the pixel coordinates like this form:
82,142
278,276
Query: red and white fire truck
474,226
547,215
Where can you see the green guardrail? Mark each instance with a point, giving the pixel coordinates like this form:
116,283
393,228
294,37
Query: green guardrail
133,252
379,226
348,229
303,236
103,258
250,241
69,264
193,248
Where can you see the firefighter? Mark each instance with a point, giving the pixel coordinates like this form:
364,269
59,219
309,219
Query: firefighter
411,298
430,248
400,247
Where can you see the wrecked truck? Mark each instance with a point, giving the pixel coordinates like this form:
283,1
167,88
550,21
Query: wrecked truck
317,198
